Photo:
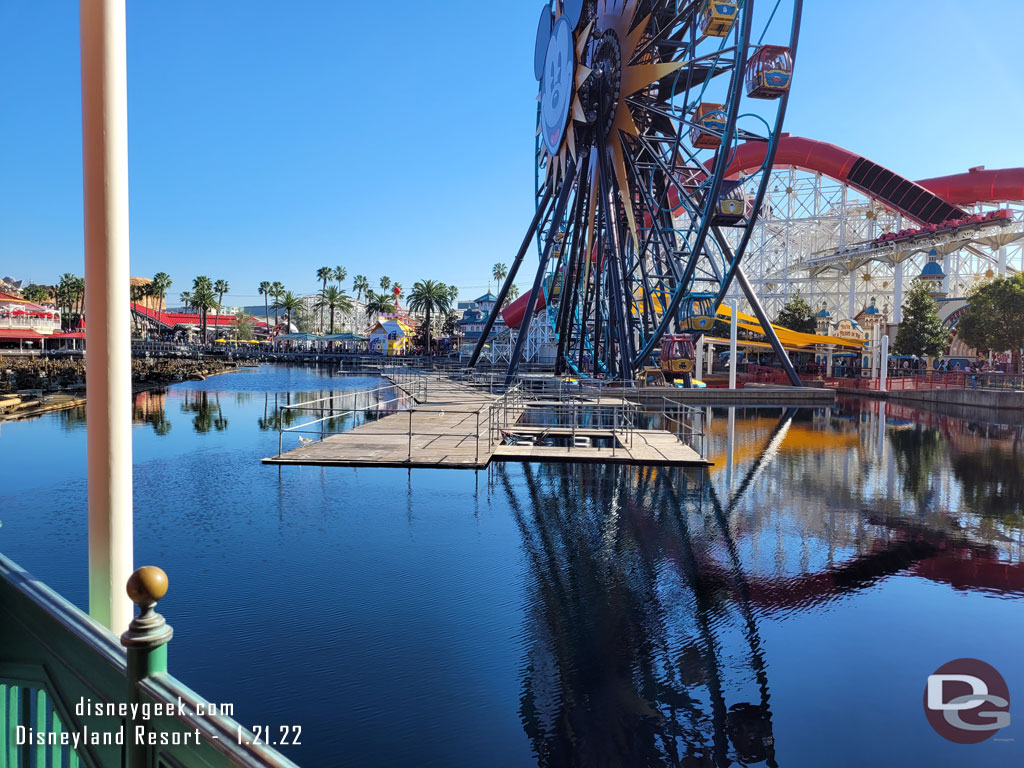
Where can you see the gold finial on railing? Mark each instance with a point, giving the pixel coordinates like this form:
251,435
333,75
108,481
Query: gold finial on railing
146,587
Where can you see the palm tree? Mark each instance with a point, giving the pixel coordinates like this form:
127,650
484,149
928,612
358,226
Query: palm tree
453,294
288,302
379,304
276,292
324,274
186,300
498,273
512,295
361,286
137,294
220,287
429,296
385,283
265,293
204,298
70,294
340,273
333,298
158,290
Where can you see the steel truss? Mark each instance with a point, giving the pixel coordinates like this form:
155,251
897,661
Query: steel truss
814,236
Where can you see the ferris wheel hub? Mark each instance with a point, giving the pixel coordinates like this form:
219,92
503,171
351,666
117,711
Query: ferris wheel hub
602,98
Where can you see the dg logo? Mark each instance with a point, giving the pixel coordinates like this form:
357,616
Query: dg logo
967,701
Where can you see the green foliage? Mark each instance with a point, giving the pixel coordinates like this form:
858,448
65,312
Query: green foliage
499,272
35,293
361,286
159,287
276,292
220,288
204,298
264,290
797,315
994,320
245,327
385,283
291,305
429,296
450,320
921,331
331,298
70,296
512,295
379,304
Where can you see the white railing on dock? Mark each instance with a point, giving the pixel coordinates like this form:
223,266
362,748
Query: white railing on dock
340,403
688,420
620,419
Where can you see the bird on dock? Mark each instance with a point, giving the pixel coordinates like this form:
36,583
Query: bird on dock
304,441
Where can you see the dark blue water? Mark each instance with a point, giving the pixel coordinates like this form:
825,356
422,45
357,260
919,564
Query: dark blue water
786,609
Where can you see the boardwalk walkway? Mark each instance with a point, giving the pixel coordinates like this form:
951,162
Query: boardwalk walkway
456,426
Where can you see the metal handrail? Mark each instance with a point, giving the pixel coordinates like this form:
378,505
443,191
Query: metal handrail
690,430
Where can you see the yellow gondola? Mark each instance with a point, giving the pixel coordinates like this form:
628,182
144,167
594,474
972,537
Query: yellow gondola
717,17
711,117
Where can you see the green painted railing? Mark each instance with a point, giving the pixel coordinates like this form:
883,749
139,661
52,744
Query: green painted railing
72,694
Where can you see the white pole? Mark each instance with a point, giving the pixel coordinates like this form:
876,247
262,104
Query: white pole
851,309
897,310
699,373
733,328
108,364
884,375
711,359
1002,261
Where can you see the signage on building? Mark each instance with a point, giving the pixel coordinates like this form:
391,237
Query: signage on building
847,329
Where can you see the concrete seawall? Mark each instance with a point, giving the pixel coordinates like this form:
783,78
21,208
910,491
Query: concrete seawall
751,394
990,399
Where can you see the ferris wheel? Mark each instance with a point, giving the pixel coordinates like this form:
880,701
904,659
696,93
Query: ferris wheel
640,232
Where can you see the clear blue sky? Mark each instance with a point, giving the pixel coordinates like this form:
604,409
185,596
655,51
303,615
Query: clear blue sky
270,138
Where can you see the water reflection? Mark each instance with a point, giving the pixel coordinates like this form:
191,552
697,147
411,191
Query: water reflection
648,587
150,407
330,411
208,412
628,662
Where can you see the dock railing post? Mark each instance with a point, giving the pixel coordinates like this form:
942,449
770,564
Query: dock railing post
410,435
478,437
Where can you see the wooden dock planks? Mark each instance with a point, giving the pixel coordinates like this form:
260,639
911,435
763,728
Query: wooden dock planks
451,429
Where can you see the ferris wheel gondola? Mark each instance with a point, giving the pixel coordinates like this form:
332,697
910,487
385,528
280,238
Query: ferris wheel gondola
641,106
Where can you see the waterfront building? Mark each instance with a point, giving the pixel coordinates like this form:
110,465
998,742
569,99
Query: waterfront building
474,318
188,324
25,324
391,336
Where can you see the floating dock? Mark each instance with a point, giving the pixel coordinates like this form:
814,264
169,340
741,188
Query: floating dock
459,426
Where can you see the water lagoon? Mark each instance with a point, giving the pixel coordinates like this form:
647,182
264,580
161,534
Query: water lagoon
784,608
